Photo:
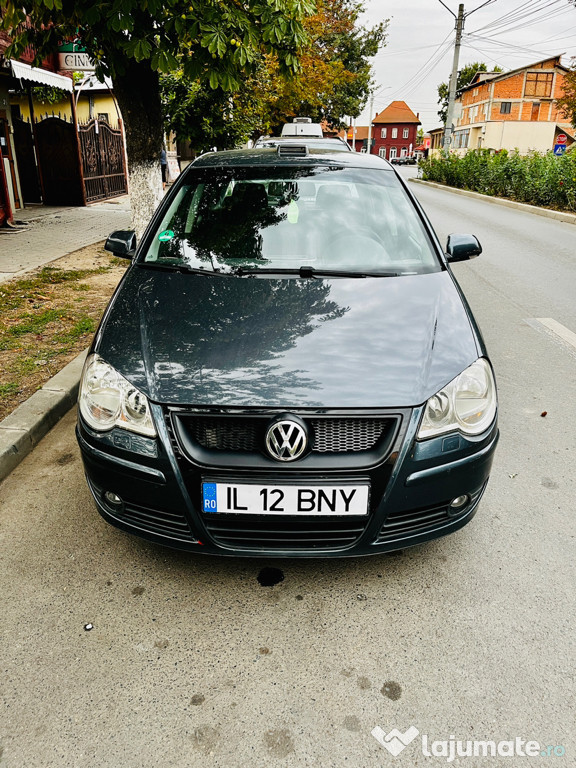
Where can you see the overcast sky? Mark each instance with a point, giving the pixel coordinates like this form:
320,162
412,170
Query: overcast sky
420,44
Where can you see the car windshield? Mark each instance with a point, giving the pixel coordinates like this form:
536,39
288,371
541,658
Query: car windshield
319,218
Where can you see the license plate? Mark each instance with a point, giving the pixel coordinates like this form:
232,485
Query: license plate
252,499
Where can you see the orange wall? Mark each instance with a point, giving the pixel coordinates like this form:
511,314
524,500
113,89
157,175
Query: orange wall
512,89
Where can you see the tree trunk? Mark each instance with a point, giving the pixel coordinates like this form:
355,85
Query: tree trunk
138,94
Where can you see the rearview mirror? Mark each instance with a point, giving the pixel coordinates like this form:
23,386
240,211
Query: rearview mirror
122,243
462,247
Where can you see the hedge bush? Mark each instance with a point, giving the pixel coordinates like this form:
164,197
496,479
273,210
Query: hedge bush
536,178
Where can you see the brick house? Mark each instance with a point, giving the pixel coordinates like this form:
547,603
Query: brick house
512,110
358,138
394,131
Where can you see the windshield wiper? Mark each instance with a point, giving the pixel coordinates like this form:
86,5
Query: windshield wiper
305,271
183,268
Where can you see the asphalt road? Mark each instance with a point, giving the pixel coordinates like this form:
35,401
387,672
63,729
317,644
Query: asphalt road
191,662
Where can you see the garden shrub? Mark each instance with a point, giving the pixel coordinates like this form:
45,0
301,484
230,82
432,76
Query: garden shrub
537,178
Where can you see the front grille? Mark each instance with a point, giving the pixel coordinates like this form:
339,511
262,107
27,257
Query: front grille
400,524
172,524
329,435
295,534
221,434
346,435
161,521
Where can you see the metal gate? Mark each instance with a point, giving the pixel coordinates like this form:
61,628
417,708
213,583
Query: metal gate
26,158
59,161
102,150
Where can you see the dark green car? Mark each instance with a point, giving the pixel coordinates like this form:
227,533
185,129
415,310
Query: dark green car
288,366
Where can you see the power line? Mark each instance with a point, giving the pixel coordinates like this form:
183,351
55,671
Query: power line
501,44
545,16
521,17
408,50
516,14
488,2
438,55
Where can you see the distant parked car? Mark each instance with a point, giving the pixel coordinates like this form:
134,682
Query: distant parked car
403,161
288,367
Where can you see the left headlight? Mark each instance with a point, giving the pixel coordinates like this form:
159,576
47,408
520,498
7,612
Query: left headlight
108,400
468,403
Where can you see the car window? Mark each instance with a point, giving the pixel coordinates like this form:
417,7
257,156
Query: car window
321,217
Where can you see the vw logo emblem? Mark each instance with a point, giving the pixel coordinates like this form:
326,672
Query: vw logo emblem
286,439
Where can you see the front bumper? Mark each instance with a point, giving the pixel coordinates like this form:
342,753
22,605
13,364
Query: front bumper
412,486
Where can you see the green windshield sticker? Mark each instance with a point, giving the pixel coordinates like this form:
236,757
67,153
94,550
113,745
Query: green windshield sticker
168,234
293,212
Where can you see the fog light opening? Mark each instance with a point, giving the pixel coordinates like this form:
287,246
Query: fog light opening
113,499
458,504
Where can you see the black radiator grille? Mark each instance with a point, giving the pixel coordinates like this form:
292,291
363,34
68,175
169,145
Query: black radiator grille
285,533
329,435
223,434
346,435
162,521
172,524
416,521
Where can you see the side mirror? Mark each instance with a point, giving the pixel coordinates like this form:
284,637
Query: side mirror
462,247
122,243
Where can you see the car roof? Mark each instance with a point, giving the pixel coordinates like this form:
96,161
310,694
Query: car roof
272,157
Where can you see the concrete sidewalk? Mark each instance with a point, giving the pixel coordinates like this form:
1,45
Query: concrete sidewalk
51,233
54,232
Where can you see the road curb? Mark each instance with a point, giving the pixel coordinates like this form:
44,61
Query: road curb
27,425
569,218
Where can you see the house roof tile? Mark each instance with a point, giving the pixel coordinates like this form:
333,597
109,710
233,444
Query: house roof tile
396,112
361,133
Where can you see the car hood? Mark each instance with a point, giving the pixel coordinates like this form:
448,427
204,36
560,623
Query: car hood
187,339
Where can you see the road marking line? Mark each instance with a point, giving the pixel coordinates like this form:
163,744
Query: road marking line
555,330
560,330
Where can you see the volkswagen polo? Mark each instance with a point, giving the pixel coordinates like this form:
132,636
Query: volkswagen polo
288,366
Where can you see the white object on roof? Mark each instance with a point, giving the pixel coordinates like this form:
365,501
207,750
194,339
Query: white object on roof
302,126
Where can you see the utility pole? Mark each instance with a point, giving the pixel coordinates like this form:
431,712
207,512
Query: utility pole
369,148
453,78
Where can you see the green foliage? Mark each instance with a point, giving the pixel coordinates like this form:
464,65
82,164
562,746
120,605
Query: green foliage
567,102
215,42
465,76
336,71
82,327
209,118
8,390
537,179
333,81
17,293
46,94
36,323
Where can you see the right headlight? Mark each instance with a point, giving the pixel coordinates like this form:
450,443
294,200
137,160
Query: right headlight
468,403
106,399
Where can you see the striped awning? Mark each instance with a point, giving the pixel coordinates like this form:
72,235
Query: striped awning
40,76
